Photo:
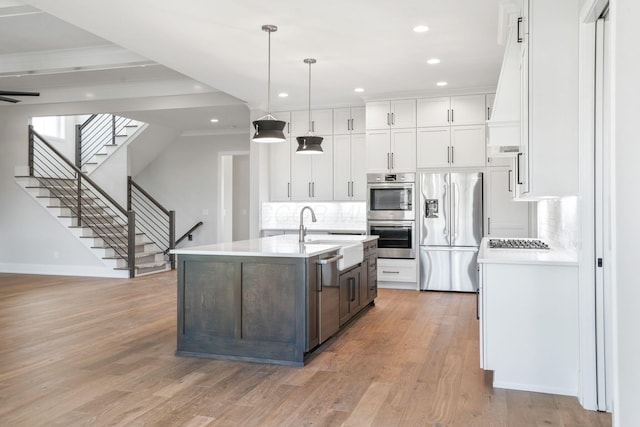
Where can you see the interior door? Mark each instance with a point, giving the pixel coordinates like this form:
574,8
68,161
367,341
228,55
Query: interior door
434,210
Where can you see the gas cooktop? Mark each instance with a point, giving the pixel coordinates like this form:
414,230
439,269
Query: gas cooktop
517,244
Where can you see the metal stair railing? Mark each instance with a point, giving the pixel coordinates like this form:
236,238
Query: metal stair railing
152,218
189,233
96,132
106,218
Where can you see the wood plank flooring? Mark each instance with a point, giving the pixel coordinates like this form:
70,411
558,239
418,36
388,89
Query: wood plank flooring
86,351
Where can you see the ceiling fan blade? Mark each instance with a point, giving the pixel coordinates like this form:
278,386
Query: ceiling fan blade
13,93
3,98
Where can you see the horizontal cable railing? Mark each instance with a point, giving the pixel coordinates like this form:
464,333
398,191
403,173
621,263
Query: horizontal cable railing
98,131
86,203
189,233
153,219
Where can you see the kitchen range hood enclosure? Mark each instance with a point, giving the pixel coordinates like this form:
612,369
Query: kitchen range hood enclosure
504,125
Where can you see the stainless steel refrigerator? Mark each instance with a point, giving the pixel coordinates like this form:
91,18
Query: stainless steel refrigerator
450,230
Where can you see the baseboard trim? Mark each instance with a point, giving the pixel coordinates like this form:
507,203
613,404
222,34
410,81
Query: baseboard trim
63,270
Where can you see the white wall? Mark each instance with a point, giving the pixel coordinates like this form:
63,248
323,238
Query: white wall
185,177
626,106
241,172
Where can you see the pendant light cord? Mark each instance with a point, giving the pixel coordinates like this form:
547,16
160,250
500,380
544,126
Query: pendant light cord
269,78
310,97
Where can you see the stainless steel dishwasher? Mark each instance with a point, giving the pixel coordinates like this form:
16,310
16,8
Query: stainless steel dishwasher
328,290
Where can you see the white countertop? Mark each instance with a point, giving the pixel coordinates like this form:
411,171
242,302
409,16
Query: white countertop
286,245
551,256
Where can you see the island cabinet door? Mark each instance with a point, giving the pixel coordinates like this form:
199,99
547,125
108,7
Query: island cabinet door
349,294
242,307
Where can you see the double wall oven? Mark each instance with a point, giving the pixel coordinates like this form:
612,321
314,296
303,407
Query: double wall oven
391,213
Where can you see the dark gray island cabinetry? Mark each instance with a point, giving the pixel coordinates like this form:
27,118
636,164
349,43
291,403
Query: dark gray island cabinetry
258,300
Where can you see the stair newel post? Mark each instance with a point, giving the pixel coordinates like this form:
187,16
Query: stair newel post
172,237
113,129
79,146
79,199
31,143
128,193
131,237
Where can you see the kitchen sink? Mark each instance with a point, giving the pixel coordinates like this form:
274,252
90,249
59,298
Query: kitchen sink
352,252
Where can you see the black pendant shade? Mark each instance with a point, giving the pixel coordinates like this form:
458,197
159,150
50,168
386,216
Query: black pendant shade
269,131
309,145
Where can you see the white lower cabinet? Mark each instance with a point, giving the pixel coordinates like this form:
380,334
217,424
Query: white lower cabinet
505,217
312,175
397,270
529,331
349,174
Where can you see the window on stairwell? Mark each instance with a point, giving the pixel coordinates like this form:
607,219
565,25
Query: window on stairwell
49,126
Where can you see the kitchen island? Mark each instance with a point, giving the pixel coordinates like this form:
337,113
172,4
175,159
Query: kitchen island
272,299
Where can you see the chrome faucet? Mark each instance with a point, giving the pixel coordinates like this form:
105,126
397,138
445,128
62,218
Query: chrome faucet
303,229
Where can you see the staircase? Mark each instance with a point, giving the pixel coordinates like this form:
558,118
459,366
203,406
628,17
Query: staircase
100,136
119,238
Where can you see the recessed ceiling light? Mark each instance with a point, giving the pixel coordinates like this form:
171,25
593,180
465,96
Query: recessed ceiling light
420,28
89,95
442,83
283,94
359,89
197,87
433,61
214,120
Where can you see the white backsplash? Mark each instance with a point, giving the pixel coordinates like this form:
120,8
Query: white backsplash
338,216
558,222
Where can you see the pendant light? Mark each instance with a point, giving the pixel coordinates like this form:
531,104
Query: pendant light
267,128
309,144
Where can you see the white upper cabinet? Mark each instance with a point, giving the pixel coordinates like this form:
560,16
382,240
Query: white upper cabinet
280,170
321,122
391,151
451,146
348,120
451,111
490,97
397,114
504,216
468,110
433,112
312,175
349,174
547,165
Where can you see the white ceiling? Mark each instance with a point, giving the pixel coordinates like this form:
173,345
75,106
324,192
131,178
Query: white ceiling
132,48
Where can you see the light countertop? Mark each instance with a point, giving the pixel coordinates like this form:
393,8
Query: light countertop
551,256
286,245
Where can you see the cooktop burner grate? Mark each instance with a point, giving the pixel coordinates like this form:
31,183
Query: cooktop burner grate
517,244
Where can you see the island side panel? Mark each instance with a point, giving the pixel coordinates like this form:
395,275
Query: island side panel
250,308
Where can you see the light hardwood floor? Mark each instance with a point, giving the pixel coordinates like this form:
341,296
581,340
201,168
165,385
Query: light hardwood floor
87,351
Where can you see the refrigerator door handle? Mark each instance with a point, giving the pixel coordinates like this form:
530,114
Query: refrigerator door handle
454,211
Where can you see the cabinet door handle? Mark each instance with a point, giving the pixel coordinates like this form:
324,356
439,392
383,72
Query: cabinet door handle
313,125
390,272
448,115
518,167
392,165
309,190
488,113
388,121
452,115
388,161
352,124
478,304
393,118
452,154
519,36
313,189
488,226
509,183
448,154
288,129
288,189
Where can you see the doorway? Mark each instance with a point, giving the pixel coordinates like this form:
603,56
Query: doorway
603,215
233,223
